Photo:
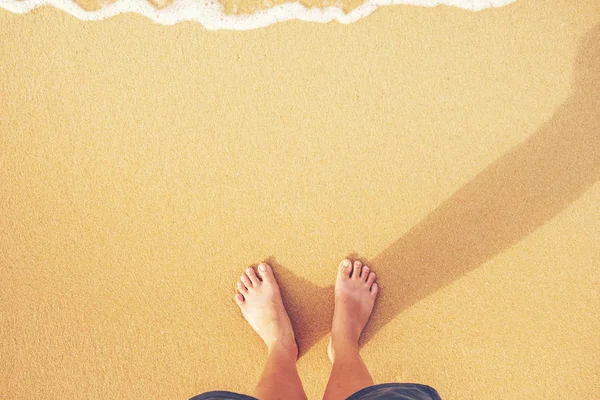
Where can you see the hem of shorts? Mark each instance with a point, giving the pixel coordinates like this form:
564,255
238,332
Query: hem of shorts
223,393
384,385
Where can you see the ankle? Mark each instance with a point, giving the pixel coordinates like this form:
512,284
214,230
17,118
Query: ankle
343,348
288,348
345,337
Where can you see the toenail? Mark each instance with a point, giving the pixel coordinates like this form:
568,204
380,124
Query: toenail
347,263
262,267
249,271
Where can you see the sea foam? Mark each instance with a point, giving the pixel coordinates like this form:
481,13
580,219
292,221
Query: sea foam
210,13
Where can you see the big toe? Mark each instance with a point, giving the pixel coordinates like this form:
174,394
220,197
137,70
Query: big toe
345,269
266,273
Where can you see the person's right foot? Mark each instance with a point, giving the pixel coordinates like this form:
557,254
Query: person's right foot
355,292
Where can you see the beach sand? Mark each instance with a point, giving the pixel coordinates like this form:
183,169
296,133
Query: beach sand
143,167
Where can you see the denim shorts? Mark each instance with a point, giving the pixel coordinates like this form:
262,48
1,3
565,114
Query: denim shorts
386,391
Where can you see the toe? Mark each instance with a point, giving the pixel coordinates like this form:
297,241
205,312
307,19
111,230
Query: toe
374,289
239,299
364,274
265,272
345,268
371,279
246,281
242,288
356,270
252,275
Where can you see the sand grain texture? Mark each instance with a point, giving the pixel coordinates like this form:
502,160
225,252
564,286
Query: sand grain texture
142,167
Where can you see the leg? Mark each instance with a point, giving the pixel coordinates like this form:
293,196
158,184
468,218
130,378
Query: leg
355,292
280,379
260,301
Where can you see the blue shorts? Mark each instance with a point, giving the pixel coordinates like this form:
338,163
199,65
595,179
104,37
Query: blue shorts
386,391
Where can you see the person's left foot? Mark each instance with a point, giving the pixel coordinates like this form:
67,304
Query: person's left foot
260,301
355,293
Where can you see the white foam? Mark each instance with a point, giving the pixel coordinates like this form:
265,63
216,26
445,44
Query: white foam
210,12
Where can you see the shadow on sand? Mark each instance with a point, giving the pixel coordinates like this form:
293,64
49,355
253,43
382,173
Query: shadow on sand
511,198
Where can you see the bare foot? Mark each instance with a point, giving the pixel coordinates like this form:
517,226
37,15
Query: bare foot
355,292
260,301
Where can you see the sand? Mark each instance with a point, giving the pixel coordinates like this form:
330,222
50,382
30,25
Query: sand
143,167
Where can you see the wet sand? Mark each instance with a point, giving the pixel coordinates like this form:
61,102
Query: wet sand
143,167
